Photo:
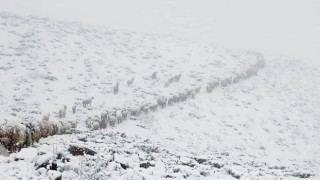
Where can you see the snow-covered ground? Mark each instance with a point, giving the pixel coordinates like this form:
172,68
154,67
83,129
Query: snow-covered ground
265,127
46,65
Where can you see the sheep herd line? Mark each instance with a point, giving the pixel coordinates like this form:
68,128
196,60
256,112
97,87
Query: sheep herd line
14,136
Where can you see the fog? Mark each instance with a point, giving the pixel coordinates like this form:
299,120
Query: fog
285,27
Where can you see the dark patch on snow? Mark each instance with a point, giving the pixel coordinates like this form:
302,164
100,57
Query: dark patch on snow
233,174
80,151
124,166
301,175
200,160
146,165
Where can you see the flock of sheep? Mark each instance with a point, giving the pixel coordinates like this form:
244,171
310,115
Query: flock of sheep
15,136
117,115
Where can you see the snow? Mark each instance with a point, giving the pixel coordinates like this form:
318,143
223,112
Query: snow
29,154
266,126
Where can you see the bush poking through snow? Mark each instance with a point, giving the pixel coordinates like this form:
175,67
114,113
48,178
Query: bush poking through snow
233,174
80,151
146,165
301,175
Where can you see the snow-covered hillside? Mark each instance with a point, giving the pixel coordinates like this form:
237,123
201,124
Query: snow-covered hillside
263,127
45,65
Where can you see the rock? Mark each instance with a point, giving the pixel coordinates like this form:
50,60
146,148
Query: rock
80,150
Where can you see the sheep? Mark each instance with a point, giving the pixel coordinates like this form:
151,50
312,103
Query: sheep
74,108
61,128
154,107
144,109
182,97
189,93
171,80
28,133
224,83
229,80
66,127
236,79
154,75
116,88
119,116
197,90
46,128
171,101
193,95
46,117
162,102
104,120
112,119
16,135
36,135
214,84
87,102
209,89
124,114
135,112
62,112
73,124
55,128
95,125
130,82
4,139
88,122
177,78
175,99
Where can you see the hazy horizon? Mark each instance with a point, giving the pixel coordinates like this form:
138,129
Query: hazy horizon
287,27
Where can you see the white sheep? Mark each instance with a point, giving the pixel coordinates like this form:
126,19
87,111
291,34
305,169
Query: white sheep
17,137
104,120
36,135
116,88
112,118
87,102
4,137
119,116
154,75
46,117
28,140
124,113
74,108
62,112
46,128
95,125
130,82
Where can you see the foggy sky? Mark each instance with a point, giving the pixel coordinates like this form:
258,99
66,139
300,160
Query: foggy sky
284,27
